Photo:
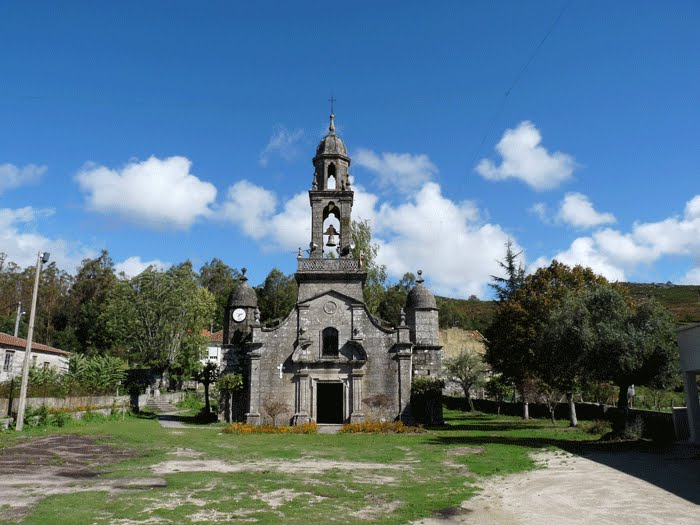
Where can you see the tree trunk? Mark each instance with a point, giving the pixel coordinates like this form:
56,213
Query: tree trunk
573,421
551,414
526,409
469,404
622,401
207,407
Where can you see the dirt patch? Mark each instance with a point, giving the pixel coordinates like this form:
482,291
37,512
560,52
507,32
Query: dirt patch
59,464
464,451
280,497
575,489
377,507
300,466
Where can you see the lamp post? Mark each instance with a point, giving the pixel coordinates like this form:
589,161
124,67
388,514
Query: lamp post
41,258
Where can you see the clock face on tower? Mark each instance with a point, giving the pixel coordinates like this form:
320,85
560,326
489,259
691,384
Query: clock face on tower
238,315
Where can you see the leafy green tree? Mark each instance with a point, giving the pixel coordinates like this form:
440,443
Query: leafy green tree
395,299
469,371
514,337
498,389
366,251
563,353
635,344
220,279
207,374
158,314
91,286
276,296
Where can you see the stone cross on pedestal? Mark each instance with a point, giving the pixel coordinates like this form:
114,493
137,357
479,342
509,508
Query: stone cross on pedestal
280,367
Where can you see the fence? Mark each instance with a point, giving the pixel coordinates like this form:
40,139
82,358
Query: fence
656,425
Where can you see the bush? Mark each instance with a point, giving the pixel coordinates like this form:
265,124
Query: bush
380,427
191,401
245,428
597,427
59,419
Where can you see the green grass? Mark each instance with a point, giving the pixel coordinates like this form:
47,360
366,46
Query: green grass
438,470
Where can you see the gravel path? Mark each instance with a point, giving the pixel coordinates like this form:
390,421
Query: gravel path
603,489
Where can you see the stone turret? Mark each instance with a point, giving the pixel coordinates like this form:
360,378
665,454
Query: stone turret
241,311
422,319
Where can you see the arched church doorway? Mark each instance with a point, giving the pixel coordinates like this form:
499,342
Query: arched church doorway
329,403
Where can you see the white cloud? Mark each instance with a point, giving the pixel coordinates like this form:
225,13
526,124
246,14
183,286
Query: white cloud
283,143
616,254
540,210
524,158
429,231
403,171
443,238
20,241
692,277
12,176
134,265
576,209
160,193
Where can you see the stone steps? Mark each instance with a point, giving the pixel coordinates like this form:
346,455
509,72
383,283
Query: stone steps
160,406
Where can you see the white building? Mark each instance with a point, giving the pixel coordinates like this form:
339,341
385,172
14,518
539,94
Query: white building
12,356
689,345
214,352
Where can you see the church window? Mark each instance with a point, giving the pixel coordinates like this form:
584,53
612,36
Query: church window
331,177
330,342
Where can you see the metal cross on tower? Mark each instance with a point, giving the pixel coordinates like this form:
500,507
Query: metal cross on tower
332,101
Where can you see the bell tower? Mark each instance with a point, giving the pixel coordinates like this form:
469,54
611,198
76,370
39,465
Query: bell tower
331,197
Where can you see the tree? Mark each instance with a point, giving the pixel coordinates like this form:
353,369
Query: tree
274,409
276,296
505,287
93,282
498,389
394,299
220,279
563,352
515,335
469,371
157,314
635,343
364,250
207,375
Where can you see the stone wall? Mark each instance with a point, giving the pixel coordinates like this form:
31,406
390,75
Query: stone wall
137,402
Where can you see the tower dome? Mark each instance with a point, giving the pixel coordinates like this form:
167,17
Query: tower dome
420,296
332,144
243,295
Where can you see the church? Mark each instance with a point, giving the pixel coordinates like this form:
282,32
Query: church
329,361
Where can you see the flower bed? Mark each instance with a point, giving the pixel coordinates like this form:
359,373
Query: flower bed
380,427
245,428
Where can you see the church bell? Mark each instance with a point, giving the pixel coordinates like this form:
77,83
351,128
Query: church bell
332,234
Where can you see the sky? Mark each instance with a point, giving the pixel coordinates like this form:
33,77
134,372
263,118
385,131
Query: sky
166,131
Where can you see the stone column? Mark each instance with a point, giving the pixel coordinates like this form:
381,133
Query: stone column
253,415
404,369
356,414
317,227
693,410
302,397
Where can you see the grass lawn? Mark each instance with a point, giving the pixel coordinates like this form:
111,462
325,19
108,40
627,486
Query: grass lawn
208,477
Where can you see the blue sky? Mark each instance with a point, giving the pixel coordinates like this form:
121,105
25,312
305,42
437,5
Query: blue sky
165,131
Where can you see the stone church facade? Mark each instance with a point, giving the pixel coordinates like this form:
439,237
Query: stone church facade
330,361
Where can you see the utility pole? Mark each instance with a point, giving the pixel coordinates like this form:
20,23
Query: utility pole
19,315
40,259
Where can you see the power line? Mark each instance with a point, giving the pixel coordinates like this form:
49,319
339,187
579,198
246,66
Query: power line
517,78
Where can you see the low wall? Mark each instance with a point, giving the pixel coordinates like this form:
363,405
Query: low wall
135,402
656,425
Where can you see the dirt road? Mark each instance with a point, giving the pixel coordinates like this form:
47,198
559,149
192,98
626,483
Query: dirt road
604,488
